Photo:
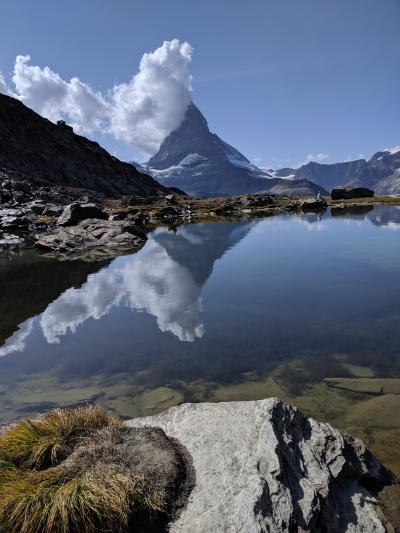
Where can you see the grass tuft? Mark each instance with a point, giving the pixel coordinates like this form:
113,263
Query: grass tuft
75,470
50,438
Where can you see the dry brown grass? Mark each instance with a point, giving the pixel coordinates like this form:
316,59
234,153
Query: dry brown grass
53,501
79,470
48,439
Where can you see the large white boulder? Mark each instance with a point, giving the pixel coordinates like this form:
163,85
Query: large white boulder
262,466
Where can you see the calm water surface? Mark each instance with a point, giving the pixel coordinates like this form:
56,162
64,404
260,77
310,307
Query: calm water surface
305,308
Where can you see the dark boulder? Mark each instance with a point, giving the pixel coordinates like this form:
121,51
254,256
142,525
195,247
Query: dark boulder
75,213
224,210
346,193
169,212
118,216
258,200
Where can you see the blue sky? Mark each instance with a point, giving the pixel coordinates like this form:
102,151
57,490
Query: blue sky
278,79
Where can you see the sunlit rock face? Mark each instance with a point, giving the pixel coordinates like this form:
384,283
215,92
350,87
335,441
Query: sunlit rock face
263,466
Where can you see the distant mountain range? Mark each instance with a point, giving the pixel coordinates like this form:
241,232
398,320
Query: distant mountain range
381,173
200,163
35,147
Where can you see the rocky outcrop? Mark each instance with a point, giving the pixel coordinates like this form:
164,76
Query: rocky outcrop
34,146
314,205
75,213
263,466
29,207
347,193
36,210
93,238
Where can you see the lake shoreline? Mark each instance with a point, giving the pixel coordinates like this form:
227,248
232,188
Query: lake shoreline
40,216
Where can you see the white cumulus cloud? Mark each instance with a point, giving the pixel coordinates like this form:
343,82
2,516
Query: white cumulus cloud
318,158
155,100
141,112
48,94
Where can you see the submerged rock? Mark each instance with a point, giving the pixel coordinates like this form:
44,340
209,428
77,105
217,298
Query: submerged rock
263,466
346,193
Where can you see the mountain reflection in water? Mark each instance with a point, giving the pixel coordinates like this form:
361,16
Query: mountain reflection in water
305,308
165,281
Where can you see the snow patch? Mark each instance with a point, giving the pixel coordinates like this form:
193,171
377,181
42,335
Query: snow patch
392,150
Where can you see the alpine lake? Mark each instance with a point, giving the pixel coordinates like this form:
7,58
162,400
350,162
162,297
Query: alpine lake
305,308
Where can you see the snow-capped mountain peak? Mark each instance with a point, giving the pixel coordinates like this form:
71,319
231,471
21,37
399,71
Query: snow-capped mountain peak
200,163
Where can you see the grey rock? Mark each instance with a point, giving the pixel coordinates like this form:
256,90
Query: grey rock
262,466
313,204
259,200
52,210
138,219
10,223
346,193
75,213
92,234
15,219
37,207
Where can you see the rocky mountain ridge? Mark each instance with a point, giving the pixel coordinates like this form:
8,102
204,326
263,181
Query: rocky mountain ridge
381,173
40,150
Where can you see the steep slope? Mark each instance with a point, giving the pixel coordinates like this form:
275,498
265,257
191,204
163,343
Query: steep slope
199,162
381,173
39,149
